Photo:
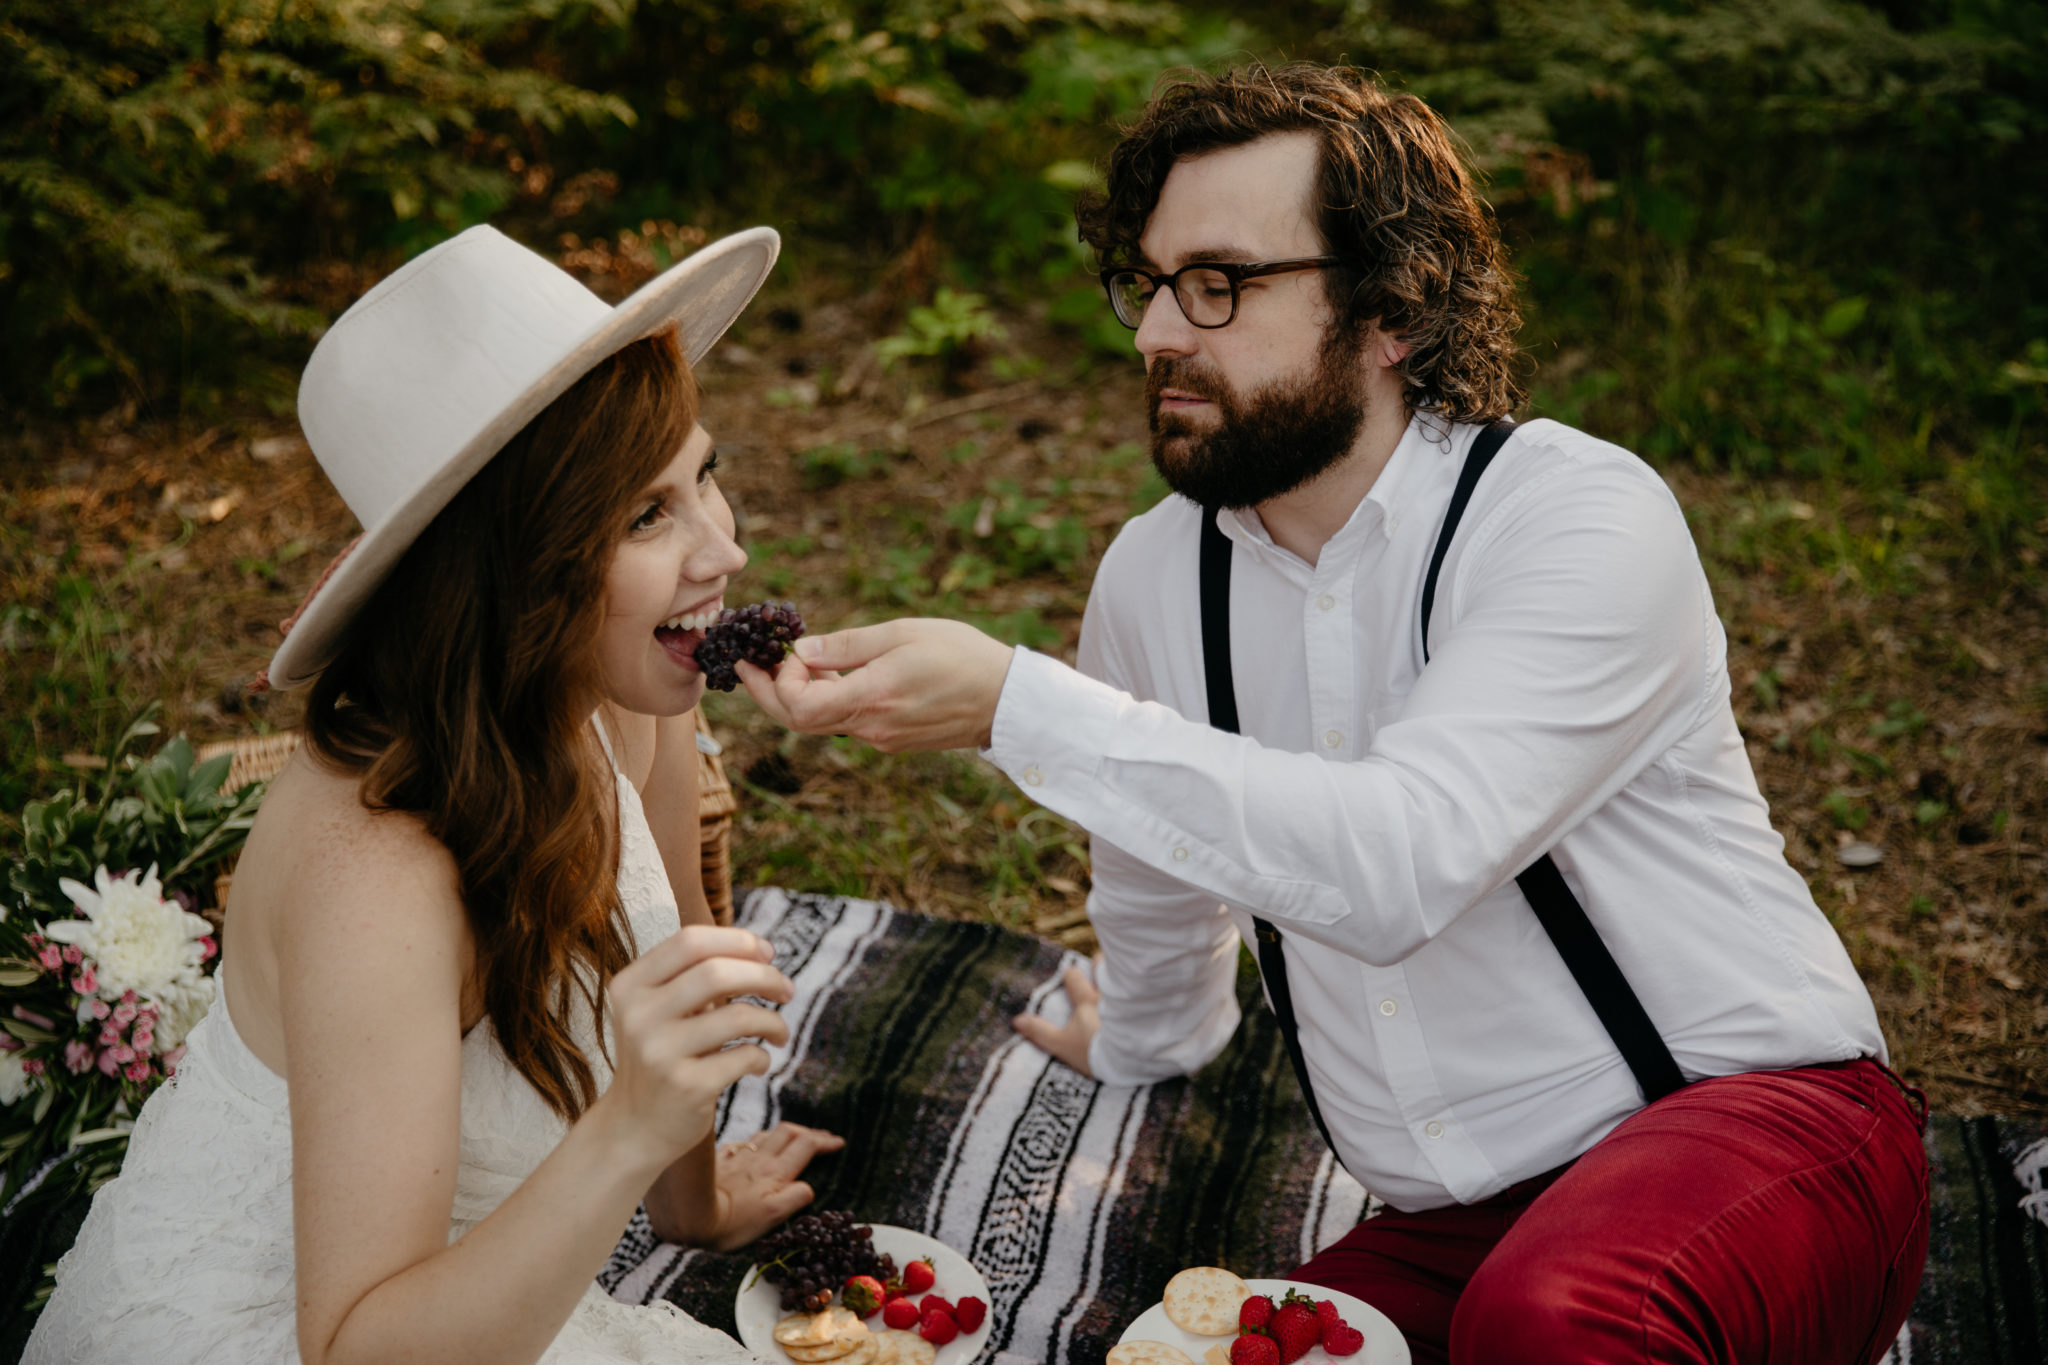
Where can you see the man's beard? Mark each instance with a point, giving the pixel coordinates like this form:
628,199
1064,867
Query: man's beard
1264,444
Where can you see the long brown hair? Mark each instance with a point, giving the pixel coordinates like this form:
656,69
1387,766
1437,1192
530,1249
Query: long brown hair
1394,200
463,690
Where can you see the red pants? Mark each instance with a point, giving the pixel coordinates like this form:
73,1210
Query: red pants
1775,1217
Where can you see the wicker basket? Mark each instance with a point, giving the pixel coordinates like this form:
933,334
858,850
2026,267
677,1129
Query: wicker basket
261,757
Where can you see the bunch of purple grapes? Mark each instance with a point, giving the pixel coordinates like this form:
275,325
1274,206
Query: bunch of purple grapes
760,634
808,1258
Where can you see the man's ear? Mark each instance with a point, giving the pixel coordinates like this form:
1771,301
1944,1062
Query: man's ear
1386,349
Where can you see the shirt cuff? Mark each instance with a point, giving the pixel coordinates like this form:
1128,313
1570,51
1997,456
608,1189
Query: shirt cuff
1051,723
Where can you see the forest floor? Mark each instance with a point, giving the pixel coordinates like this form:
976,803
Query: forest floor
1893,692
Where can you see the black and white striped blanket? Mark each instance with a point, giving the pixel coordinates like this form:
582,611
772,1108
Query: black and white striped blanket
1078,1201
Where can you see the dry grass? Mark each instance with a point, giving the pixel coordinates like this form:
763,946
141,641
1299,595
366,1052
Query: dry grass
1893,694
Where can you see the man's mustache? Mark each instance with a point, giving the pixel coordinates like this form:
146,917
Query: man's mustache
1183,375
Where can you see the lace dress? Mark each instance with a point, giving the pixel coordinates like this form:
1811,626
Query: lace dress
187,1256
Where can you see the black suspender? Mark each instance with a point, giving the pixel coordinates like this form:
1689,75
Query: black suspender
1557,909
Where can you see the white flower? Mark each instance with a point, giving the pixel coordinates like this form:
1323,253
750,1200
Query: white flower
14,1081
140,942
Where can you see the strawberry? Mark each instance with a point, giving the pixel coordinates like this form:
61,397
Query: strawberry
937,1326
901,1314
1295,1328
1327,1311
863,1294
969,1314
931,1301
919,1276
1340,1338
1256,1311
1253,1349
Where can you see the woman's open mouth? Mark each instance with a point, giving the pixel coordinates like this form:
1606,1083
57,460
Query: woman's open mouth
681,634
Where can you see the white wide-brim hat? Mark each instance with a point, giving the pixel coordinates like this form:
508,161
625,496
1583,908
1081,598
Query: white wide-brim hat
429,374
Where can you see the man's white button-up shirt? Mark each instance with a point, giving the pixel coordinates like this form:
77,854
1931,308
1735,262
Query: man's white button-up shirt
1575,701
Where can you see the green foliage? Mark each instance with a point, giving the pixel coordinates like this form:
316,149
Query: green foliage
1022,535
954,325
828,466
167,811
167,167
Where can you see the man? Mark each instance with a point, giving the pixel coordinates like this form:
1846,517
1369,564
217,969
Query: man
1328,330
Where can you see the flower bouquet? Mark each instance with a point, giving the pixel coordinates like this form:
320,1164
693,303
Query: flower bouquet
104,966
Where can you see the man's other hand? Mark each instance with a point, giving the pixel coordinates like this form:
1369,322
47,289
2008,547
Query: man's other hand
1070,1042
916,684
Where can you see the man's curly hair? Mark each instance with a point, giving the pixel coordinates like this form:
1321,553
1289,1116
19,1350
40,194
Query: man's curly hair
1397,204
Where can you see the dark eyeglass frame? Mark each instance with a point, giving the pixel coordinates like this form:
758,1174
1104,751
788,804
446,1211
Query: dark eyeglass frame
1233,271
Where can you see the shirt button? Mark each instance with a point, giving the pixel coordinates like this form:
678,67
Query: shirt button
1434,1129
1334,738
1033,777
1389,1008
1180,855
1326,601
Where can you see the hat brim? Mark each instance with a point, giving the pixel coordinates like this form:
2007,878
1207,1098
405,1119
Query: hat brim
701,297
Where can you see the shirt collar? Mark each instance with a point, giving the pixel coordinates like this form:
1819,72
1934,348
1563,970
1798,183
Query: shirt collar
1383,509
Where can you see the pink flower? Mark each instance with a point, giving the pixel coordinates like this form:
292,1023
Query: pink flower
52,957
36,940
172,1058
128,997
10,1043
78,1057
124,1013
73,954
109,1035
100,1009
207,948
31,1017
137,1071
109,1063
121,1053
87,981
32,1066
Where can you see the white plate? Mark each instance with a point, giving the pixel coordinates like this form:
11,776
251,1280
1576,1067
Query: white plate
1384,1344
758,1309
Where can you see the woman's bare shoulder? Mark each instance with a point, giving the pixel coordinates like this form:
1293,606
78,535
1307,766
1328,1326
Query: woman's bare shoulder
316,842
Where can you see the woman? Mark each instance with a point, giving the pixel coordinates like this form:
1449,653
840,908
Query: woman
468,1036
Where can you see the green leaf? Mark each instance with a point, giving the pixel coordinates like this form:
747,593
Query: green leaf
1843,316
14,978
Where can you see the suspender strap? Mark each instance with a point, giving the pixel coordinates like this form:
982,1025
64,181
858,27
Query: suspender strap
1216,670
1614,1001
1557,909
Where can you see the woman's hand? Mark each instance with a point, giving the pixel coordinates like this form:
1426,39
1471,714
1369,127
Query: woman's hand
758,1184
921,684
677,1036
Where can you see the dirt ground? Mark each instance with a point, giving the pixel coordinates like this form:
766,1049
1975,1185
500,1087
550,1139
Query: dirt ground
1898,724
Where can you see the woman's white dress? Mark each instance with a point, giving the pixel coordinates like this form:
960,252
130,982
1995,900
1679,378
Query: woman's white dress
187,1256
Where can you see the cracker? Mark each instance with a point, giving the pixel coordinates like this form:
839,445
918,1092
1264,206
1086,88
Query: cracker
818,1329
1147,1353
1204,1300
864,1350
886,1350
837,1349
911,1349
1216,1355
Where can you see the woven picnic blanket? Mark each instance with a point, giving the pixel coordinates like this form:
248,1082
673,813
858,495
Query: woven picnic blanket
1079,1201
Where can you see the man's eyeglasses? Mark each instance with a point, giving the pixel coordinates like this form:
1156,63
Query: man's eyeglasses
1207,292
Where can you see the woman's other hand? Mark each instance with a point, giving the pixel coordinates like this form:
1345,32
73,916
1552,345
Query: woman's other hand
679,1035
759,1181
918,684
